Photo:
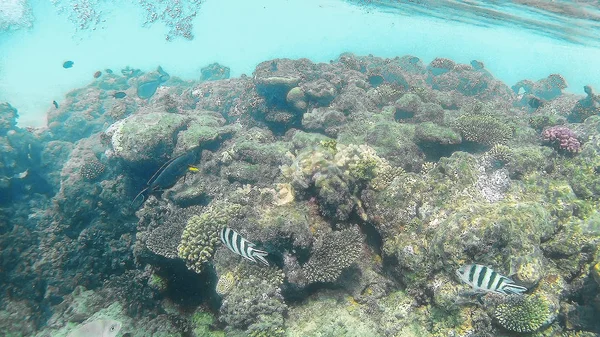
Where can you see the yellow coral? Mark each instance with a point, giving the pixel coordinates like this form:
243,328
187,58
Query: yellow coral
596,272
225,283
285,194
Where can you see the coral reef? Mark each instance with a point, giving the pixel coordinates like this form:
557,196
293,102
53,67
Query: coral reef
368,181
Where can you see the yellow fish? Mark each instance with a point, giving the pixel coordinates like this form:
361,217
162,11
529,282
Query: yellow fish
193,168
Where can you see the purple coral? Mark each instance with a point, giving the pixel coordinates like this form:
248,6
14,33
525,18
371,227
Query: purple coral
563,137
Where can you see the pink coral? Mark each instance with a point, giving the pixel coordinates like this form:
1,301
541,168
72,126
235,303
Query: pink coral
563,137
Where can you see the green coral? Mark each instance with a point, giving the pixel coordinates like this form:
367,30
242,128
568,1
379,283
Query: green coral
500,153
526,313
364,169
485,129
201,322
201,234
204,127
432,133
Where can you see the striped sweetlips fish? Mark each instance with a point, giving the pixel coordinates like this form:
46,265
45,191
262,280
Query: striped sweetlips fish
485,279
237,244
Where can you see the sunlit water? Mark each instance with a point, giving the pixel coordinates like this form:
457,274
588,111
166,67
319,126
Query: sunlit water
515,40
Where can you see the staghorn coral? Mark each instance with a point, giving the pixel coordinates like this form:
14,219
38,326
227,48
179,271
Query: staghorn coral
92,169
201,234
527,313
332,253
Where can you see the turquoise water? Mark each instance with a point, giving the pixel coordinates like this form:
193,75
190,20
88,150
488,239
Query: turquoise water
289,168
241,34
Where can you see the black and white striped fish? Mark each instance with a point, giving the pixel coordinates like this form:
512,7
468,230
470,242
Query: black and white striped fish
237,244
485,279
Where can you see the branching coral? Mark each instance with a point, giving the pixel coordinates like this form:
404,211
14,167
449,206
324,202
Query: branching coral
563,138
201,234
484,129
333,253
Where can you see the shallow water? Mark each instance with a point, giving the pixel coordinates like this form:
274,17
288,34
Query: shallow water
513,47
398,168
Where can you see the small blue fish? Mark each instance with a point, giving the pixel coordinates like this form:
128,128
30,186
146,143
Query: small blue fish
55,104
119,94
237,244
484,279
68,64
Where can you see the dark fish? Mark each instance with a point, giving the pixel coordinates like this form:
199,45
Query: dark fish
484,279
119,94
535,102
163,75
168,174
68,64
97,74
477,65
55,104
237,244
108,71
147,89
